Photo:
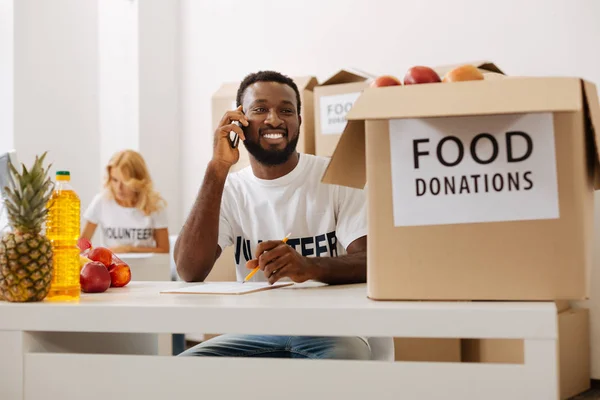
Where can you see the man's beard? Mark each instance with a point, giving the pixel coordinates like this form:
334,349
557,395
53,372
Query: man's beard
271,157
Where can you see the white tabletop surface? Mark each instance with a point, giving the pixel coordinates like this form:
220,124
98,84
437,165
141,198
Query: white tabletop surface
135,256
310,309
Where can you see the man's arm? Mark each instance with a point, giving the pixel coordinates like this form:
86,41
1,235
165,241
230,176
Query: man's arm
277,260
196,248
349,268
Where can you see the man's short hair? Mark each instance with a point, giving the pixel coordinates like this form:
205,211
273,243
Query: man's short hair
267,76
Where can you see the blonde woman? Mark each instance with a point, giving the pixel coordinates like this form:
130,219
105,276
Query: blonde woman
131,215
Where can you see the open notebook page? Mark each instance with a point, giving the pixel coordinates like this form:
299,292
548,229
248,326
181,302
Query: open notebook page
227,288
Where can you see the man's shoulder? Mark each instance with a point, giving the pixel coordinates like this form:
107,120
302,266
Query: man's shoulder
317,164
320,161
241,175
237,181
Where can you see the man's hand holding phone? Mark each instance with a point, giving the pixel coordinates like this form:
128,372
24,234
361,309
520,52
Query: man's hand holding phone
225,149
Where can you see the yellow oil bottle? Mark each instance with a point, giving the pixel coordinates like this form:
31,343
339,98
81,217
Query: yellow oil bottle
62,228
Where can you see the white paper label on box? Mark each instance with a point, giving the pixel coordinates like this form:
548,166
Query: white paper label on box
333,112
458,170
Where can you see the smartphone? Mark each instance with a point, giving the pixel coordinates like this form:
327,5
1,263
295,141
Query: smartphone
234,138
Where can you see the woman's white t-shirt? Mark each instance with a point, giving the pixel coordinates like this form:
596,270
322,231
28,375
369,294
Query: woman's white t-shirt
122,226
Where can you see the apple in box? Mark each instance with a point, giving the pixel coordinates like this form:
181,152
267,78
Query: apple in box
463,73
421,74
385,80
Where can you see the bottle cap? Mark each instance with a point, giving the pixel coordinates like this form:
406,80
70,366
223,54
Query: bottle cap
63,175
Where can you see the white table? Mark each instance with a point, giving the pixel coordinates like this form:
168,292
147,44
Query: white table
151,267
148,266
96,349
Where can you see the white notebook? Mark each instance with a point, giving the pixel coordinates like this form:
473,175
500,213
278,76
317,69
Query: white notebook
228,288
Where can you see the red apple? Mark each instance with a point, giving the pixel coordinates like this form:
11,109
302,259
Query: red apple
83,244
385,80
101,254
94,277
120,275
421,74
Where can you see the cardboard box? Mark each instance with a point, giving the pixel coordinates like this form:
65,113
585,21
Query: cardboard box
224,100
224,268
477,190
573,352
333,99
484,66
427,349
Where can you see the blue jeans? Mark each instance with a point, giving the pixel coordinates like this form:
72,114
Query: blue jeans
234,345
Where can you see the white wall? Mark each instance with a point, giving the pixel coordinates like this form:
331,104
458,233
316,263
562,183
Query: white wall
223,41
159,105
56,87
139,89
92,78
118,77
6,74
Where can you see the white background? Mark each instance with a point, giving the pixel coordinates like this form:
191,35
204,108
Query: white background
540,202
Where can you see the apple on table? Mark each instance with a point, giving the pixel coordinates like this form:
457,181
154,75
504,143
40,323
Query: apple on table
94,277
113,270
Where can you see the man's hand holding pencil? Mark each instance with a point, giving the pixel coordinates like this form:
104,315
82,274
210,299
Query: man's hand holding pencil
278,260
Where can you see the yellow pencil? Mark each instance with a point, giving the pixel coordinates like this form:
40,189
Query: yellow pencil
255,270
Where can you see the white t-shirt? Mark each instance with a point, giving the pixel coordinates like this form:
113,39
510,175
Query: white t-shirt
323,219
124,225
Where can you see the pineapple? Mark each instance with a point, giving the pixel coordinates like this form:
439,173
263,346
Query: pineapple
26,254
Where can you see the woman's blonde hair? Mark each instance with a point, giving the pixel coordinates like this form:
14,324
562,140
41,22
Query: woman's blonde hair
137,178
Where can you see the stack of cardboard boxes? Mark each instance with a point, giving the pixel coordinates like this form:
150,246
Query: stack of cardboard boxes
480,191
477,191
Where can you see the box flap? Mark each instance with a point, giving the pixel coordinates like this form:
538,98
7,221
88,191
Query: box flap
503,96
344,76
592,106
227,90
348,164
305,82
484,66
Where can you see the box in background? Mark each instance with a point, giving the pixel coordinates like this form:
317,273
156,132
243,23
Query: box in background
485,67
427,349
333,99
224,99
573,352
513,159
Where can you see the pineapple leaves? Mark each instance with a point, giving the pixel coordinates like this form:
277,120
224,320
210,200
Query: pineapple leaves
27,199
13,197
14,174
12,209
27,196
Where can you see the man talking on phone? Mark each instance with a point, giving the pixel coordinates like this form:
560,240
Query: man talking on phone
254,208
